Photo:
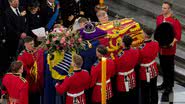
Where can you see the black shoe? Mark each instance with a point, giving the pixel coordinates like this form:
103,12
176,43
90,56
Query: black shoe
168,91
161,87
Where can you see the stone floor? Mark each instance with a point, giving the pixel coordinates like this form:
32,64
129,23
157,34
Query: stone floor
177,97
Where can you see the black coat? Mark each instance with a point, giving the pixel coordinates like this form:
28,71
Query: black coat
15,25
1,20
88,6
33,21
68,8
46,14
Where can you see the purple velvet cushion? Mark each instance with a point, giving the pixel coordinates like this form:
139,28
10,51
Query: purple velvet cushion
90,36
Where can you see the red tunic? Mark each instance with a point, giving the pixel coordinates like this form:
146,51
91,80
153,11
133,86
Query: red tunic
96,80
178,30
75,86
148,53
125,63
28,60
16,87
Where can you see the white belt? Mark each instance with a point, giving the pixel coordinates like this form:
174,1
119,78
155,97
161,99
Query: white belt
99,84
148,64
126,73
75,94
148,69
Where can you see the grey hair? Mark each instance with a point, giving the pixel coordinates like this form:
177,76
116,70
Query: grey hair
10,1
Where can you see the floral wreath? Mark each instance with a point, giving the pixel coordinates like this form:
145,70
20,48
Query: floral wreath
64,39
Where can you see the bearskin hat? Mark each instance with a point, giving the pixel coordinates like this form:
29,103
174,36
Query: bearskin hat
164,34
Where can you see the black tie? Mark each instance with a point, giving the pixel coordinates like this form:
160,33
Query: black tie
17,11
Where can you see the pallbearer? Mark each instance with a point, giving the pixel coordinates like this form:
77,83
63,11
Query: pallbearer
96,73
125,62
75,84
148,70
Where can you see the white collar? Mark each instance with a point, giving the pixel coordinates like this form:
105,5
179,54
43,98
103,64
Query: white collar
14,10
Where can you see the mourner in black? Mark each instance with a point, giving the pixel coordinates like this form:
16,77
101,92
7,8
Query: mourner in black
70,10
88,7
16,27
33,19
49,14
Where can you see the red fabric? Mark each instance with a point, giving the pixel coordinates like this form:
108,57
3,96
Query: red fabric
178,30
78,82
28,60
105,40
40,64
125,62
16,87
148,53
96,78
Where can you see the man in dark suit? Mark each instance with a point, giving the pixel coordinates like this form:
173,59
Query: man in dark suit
70,10
3,61
16,28
49,14
88,7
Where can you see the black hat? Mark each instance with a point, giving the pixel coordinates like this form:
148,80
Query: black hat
164,34
34,4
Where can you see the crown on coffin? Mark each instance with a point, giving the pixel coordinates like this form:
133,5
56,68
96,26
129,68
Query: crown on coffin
89,28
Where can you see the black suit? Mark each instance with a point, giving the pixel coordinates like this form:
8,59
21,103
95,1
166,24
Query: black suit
88,6
46,14
68,8
4,64
33,21
15,25
1,19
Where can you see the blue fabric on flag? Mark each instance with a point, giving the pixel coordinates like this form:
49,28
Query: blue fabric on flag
49,90
50,95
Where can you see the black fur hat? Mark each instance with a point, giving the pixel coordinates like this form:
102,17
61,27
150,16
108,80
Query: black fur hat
164,34
34,4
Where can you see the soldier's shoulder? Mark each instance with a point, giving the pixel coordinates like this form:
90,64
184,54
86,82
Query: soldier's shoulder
173,16
160,16
23,79
96,63
141,46
134,48
70,74
8,73
84,70
22,52
120,53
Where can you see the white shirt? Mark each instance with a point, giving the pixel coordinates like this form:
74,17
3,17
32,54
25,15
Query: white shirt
77,1
50,3
14,10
